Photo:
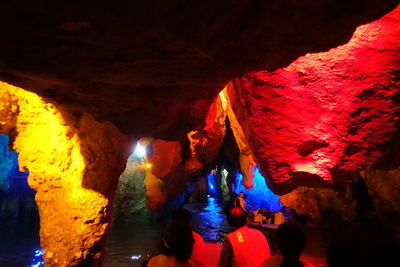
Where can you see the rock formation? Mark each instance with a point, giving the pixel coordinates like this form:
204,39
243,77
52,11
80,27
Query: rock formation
97,75
74,163
327,115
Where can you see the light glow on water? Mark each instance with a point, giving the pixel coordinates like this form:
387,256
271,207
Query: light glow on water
136,257
37,258
208,219
212,185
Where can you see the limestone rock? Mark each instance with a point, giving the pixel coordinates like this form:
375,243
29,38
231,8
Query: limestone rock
320,205
153,61
130,197
384,189
165,157
327,115
73,163
7,161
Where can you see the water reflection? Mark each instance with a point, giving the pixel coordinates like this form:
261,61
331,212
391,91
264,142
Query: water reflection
37,258
134,239
209,220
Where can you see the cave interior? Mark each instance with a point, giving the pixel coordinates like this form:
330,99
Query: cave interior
125,110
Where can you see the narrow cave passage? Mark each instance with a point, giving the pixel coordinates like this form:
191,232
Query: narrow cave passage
211,191
19,218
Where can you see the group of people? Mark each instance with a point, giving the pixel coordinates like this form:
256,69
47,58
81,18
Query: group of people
244,246
180,246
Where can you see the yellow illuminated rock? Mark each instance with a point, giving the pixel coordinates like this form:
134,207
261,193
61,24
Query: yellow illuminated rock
237,123
73,164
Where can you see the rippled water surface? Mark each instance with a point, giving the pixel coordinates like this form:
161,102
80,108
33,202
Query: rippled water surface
19,242
137,236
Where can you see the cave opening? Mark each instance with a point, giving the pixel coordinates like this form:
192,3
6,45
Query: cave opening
19,217
209,193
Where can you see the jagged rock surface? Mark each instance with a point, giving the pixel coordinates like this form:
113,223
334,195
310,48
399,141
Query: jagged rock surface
74,163
327,115
148,67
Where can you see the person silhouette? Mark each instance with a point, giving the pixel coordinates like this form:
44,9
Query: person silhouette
198,256
175,247
291,242
245,246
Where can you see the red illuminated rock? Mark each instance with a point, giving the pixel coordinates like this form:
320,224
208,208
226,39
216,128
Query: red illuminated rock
144,65
165,157
205,143
170,175
326,115
152,68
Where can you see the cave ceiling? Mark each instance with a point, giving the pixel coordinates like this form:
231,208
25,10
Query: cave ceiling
153,67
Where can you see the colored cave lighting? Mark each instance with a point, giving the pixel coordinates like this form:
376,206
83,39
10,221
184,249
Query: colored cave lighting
212,185
337,108
258,197
37,258
139,151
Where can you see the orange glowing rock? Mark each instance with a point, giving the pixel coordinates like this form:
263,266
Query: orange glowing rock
73,164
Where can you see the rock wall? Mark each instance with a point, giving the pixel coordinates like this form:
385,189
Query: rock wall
238,120
130,196
7,161
74,164
327,115
319,206
384,189
158,69
152,61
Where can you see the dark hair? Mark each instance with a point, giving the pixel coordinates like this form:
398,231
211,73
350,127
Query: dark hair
291,241
178,240
237,202
182,214
237,217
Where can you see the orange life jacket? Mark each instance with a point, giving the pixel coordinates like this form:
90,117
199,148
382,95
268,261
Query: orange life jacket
250,247
198,257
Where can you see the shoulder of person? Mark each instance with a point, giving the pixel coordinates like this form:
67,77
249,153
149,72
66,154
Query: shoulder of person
196,235
273,261
306,264
156,260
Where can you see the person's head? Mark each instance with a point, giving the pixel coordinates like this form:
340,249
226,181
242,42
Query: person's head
178,240
241,194
182,214
290,240
237,217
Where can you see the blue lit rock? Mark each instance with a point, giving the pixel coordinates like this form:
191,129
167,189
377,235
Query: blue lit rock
8,161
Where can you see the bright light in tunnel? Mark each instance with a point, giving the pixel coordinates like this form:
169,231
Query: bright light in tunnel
139,151
136,257
148,165
224,173
224,98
